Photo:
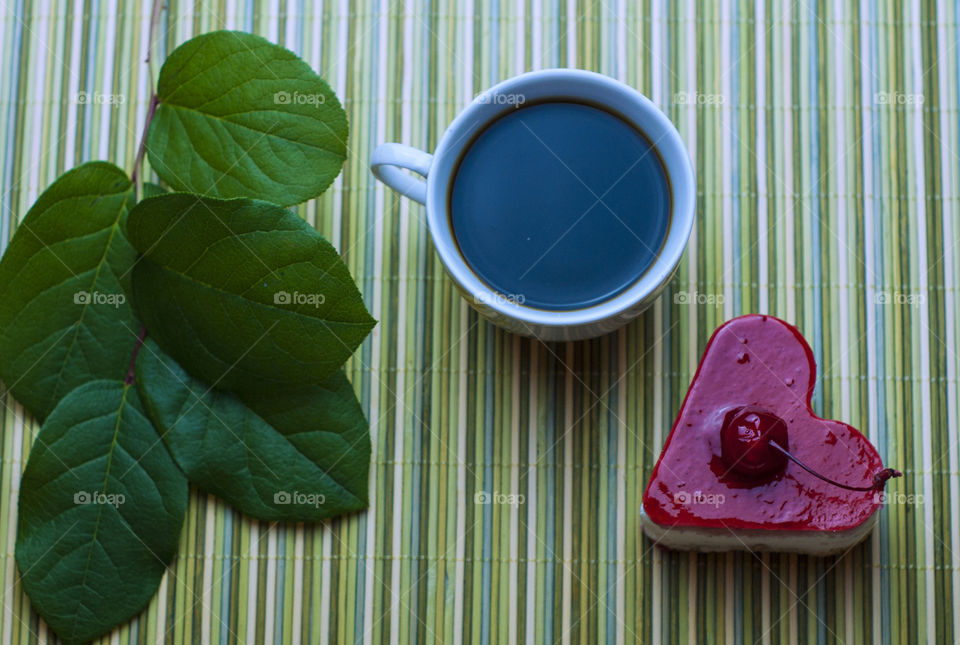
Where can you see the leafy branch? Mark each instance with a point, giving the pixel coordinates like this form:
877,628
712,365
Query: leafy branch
250,314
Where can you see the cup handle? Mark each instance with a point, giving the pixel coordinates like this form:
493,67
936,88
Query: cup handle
389,158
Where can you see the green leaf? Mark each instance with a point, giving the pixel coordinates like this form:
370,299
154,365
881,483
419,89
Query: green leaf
101,507
243,294
295,455
65,314
151,189
241,117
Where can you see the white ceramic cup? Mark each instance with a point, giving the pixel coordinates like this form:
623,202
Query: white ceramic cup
440,168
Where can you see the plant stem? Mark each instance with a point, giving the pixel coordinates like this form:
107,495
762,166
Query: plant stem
142,149
152,108
138,163
154,19
131,369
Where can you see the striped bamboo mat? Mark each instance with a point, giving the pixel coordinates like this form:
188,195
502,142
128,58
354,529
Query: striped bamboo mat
825,141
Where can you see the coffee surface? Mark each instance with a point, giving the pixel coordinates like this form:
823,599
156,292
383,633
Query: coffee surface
560,205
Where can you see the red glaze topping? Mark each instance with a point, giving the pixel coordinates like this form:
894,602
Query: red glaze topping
717,468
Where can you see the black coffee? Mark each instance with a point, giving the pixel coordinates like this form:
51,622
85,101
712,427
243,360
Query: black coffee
560,205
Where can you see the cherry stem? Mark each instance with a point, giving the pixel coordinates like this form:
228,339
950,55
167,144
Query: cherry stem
879,479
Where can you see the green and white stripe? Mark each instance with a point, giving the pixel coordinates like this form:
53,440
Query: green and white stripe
815,199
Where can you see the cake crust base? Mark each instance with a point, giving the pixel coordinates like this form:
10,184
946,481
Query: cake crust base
693,538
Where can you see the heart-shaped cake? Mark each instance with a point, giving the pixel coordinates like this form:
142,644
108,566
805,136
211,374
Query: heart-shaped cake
748,465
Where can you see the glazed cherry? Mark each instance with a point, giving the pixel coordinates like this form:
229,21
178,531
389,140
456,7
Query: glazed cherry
745,442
